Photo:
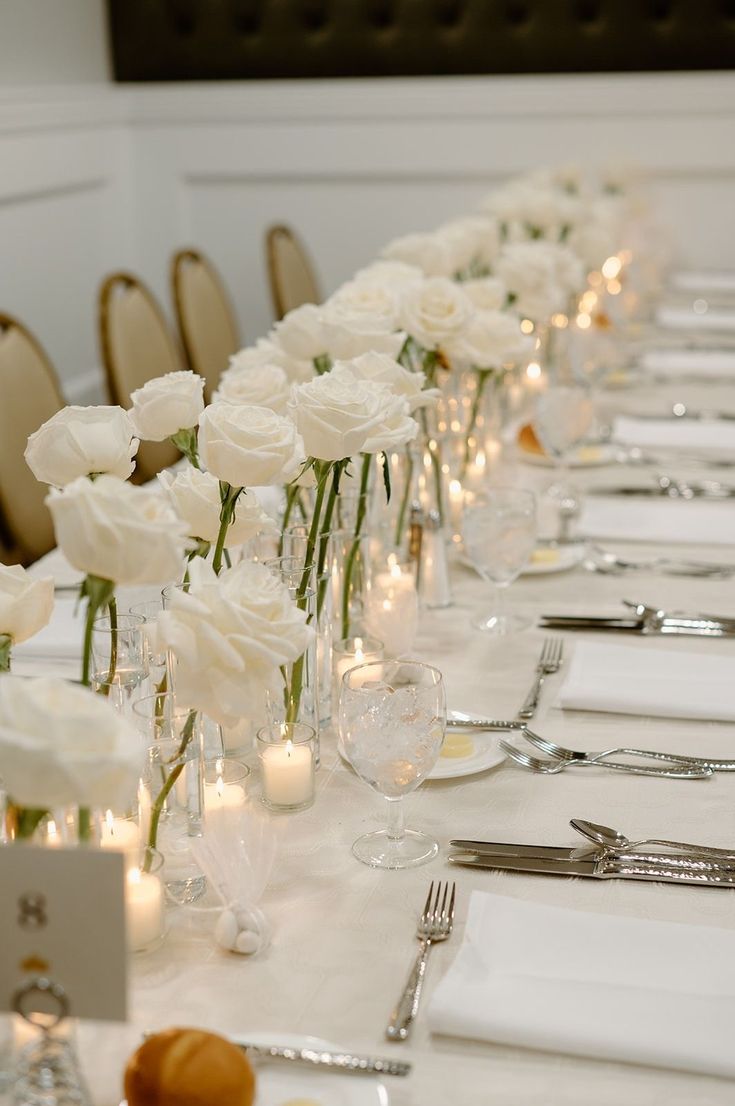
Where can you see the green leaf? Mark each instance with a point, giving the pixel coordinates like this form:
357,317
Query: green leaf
386,475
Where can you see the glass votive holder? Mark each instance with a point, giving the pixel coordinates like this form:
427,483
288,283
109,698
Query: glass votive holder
287,757
224,789
119,651
145,899
121,834
348,653
392,607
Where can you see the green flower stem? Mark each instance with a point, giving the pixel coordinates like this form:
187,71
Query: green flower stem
99,593
483,375
292,495
321,471
403,509
112,607
25,819
229,499
355,547
435,465
186,442
156,810
6,644
85,823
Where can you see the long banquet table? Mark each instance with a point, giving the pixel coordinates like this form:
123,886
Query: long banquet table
344,933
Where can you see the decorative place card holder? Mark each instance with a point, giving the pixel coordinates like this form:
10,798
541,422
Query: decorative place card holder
62,931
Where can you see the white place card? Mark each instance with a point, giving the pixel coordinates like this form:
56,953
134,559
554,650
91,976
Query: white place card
62,915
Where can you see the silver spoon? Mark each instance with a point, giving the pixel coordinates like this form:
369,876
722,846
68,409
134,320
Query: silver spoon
613,839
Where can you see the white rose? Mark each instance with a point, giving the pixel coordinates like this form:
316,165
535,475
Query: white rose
427,251
472,240
530,272
167,404
363,306
486,293
387,371
63,745
529,210
393,275
491,339
266,386
268,352
339,416
435,311
345,342
569,270
248,446
80,441
119,532
26,604
230,634
195,496
299,333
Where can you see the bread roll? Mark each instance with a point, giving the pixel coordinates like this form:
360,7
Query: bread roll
528,441
188,1067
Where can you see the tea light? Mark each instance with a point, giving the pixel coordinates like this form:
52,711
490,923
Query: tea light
52,839
456,496
352,651
122,835
144,909
287,765
224,788
391,610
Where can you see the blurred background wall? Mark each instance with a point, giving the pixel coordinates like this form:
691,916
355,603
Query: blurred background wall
96,175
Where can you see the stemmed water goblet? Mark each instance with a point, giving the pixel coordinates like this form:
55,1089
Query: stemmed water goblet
499,534
392,719
562,418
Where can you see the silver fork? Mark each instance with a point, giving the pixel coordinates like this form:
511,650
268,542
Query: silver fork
685,771
435,924
577,755
549,662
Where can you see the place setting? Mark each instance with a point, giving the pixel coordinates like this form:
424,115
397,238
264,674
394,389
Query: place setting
349,627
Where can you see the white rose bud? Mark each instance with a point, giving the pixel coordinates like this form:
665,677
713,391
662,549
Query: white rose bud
435,311
265,386
249,446
26,605
63,745
166,405
82,441
339,416
119,532
230,634
195,496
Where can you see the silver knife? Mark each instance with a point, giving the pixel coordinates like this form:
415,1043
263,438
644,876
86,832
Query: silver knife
666,624
698,874
693,491
555,854
322,1058
482,724
542,852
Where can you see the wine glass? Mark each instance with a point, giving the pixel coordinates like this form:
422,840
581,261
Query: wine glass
392,718
562,418
499,534
119,654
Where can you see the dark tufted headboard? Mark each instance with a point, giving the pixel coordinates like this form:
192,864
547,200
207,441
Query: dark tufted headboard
166,40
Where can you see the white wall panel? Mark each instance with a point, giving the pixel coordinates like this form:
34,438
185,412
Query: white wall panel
112,176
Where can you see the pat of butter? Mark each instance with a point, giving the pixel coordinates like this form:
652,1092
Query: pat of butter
301,1102
457,745
588,453
544,556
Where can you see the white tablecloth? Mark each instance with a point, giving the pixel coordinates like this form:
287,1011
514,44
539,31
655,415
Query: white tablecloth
344,933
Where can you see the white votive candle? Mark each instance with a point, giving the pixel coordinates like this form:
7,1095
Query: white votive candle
287,766
144,909
123,836
350,652
391,611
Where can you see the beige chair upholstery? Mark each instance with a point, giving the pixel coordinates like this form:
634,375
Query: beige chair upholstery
206,320
290,271
30,395
137,346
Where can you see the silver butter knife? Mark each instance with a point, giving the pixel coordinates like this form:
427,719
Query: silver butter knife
648,868
552,853
322,1058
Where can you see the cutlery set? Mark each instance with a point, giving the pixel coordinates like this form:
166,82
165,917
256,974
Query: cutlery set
668,487
607,563
645,620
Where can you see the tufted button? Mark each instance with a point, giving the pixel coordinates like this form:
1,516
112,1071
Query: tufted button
587,11
315,15
449,13
517,13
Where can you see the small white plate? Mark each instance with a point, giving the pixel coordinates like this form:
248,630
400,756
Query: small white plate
486,755
279,1081
583,457
569,557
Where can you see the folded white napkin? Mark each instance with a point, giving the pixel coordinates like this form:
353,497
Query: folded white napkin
666,683
689,362
704,280
699,434
683,318
61,639
646,992
624,518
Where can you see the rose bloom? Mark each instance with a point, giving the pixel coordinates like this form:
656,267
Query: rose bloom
339,416
426,251
435,311
393,275
529,271
485,293
63,745
248,446
474,239
82,441
365,307
264,386
387,371
230,634
195,496
26,604
167,404
267,351
491,339
119,532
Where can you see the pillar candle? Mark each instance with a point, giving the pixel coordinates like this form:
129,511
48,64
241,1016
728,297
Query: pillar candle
144,910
